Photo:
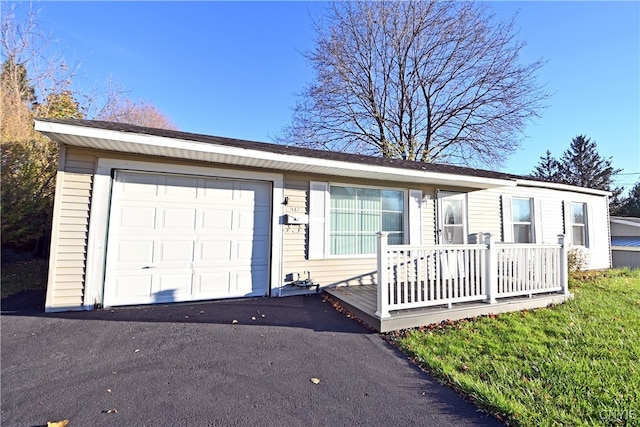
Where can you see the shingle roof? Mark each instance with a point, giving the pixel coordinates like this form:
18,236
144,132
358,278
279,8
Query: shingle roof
286,149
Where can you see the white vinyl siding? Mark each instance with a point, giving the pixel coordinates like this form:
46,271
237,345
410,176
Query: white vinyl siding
484,212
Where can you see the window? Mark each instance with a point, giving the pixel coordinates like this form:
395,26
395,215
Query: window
522,220
579,223
356,214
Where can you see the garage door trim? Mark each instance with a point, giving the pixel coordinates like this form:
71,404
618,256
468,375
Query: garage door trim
100,206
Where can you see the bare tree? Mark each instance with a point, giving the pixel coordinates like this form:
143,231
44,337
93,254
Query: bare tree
29,72
426,80
136,113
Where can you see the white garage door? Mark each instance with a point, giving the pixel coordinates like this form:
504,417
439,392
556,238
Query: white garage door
186,238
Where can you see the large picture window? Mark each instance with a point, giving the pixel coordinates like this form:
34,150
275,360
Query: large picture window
579,223
522,220
357,214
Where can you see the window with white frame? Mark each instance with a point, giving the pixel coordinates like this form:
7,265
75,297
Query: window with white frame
579,224
522,220
356,214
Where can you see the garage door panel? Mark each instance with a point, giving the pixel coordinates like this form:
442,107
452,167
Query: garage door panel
215,250
214,283
247,280
214,220
174,283
252,252
183,219
180,187
136,217
262,221
217,190
183,238
134,286
253,193
252,223
134,252
136,186
172,251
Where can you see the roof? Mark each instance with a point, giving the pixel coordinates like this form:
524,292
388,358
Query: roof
121,137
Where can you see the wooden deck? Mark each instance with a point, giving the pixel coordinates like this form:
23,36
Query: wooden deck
361,301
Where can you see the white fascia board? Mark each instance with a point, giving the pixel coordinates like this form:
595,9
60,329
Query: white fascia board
168,147
624,222
563,187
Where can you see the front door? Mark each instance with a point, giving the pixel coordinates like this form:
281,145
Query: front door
452,218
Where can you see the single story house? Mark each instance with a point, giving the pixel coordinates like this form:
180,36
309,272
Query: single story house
625,242
146,216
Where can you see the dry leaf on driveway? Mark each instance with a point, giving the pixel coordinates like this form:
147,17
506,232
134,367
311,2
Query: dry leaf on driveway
62,423
315,380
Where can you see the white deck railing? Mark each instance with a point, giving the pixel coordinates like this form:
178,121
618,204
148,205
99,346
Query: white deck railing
427,275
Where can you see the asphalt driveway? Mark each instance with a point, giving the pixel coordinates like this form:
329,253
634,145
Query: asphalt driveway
226,363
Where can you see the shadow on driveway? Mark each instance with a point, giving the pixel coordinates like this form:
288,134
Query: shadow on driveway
308,312
191,365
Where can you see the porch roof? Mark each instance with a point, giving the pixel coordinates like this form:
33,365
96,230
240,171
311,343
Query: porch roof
132,139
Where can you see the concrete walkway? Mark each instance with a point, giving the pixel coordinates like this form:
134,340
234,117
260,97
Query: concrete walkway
226,363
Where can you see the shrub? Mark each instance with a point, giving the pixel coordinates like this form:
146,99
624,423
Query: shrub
577,259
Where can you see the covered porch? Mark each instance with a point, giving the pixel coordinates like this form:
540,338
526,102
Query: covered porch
427,284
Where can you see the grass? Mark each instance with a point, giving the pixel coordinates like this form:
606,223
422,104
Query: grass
24,275
575,364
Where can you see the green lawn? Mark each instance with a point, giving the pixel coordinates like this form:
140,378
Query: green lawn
575,364
25,275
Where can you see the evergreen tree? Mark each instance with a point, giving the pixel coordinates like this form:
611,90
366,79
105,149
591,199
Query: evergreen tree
581,165
630,206
548,168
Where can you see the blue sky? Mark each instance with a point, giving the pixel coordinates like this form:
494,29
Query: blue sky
233,68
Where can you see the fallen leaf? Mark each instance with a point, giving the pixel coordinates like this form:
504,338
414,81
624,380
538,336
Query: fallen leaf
234,321
110,411
253,317
315,380
62,423
201,312
136,350
108,390
264,315
186,317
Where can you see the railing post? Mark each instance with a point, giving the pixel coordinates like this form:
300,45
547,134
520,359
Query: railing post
491,270
382,284
563,265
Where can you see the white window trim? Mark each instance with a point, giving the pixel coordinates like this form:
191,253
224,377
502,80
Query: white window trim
508,223
101,200
531,223
585,225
